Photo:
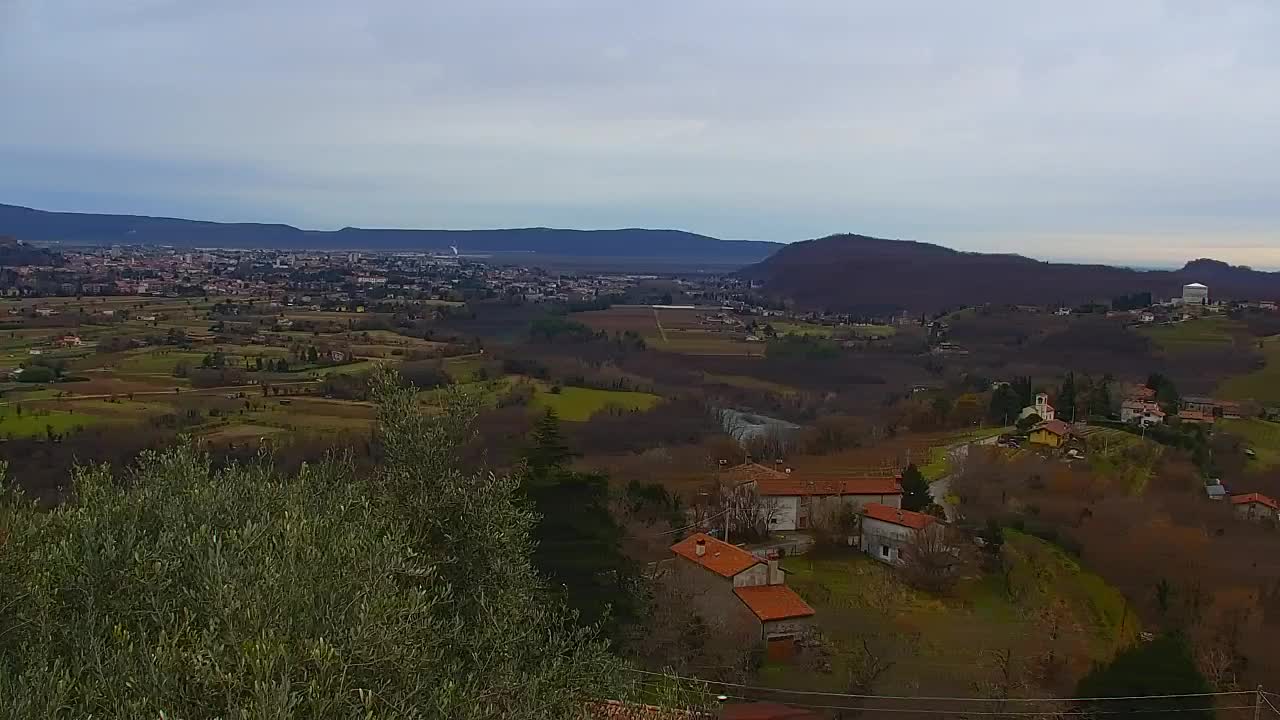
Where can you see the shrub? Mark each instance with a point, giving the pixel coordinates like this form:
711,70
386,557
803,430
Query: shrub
244,592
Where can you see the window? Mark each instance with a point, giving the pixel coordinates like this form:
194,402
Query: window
884,551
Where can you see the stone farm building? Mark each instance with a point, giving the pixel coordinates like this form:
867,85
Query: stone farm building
886,530
730,587
792,501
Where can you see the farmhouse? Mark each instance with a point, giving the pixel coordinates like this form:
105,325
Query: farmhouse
1256,506
1141,412
731,587
1053,433
791,502
69,341
886,530
799,504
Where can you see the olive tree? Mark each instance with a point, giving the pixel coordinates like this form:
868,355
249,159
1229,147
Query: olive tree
183,591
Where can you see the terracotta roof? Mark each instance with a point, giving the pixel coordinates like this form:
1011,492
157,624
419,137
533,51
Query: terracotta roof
773,602
748,472
1057,427
1255,498
1142,392
905,518
850,486
1195,416
720,558
765,711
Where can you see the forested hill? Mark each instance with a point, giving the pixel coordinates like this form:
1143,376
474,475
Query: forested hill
859,273
92,229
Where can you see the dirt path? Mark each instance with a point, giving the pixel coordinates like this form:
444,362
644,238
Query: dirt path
661,330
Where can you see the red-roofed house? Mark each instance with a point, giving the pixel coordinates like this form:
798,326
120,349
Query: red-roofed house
1256,506
798,502
731,588
886,530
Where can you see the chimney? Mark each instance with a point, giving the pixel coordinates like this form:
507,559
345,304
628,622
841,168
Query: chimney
788,471
723,463
775,572
900,517
700,547
778,461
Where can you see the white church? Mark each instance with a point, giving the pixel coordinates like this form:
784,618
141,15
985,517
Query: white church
1041,408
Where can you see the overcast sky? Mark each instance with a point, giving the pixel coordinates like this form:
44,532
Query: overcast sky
1127,131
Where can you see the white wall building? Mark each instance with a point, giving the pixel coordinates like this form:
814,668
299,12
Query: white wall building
1195,294
1042,408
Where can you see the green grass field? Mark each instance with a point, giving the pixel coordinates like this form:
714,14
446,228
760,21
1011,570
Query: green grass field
787,327
1261,436
859,599
35,423
1199,334
578,404
1262,385
1123,457
157,361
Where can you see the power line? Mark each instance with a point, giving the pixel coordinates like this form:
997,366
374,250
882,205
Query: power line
1264,695
993,713
757,688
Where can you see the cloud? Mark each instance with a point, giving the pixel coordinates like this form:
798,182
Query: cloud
1088,131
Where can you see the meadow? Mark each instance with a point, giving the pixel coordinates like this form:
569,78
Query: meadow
1196,334
864,606
578,404
1262,385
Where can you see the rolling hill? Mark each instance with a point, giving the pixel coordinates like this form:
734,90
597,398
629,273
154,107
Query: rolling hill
91,229
864,274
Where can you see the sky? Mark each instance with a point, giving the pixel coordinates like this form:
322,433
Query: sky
1135,132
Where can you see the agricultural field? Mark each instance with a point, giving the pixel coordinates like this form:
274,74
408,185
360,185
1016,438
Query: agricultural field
577,404
747,382
674,330
1123,457
786,327
1198,334
17,421
1263,384
864,606
142,385
1259,435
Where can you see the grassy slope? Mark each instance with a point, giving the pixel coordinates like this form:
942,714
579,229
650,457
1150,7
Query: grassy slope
579,404
1262,436
1262,385
855,595
1194,334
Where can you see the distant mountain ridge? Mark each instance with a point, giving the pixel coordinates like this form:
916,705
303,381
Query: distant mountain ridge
97,229
864,274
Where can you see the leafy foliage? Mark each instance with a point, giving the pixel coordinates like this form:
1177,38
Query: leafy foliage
245,593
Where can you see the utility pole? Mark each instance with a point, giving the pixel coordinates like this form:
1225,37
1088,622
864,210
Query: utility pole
1257,703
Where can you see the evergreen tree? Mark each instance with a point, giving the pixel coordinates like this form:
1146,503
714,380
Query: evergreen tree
1067,398
578,540
915,489
1005,405
1164,666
